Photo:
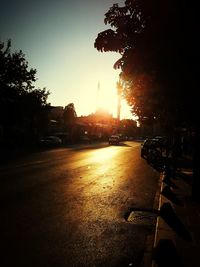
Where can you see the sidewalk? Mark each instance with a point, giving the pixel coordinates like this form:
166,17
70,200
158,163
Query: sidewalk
177,236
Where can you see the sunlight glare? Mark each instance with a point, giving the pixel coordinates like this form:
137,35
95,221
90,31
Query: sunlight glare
103,154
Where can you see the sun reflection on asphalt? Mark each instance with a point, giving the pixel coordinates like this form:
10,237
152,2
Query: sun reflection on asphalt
100,155
105,158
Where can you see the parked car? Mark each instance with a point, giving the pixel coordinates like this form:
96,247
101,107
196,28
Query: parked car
147,146
114,140
85,139
49,141
162,140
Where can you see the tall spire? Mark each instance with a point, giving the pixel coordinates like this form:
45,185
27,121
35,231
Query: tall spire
97,100
119,92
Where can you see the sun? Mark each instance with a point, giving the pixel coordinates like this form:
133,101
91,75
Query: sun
108,100
104,99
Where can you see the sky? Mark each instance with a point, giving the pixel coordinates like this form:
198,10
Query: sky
57,38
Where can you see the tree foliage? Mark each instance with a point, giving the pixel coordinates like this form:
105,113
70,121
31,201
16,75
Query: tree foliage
158,43
69,114
128,127
22,106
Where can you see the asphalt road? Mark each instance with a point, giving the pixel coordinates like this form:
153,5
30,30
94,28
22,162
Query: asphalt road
67,207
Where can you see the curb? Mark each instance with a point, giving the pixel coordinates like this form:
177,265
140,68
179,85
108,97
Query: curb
162,231
148,253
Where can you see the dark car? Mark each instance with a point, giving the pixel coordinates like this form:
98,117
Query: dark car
50,141
114,140
149,146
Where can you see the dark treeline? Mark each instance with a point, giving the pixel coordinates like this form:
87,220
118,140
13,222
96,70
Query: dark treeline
23,108
159,46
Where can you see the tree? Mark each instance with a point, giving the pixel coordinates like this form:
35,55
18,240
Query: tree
158,43
69,118
69,114
22,106
128,127
128,23
159,46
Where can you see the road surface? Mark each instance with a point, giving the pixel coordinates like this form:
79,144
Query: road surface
67,207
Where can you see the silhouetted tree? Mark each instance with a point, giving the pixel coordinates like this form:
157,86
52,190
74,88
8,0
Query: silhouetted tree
128,127
159,46
69,118
22,106
69,114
